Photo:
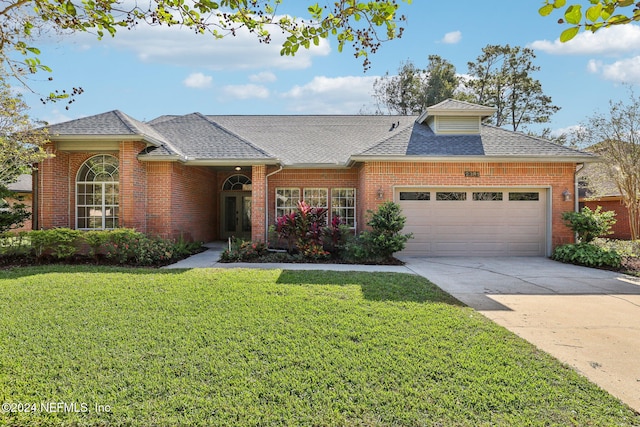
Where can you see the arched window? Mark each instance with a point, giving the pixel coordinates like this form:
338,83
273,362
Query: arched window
97,193
236,183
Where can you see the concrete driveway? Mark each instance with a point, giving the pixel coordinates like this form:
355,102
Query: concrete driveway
587,318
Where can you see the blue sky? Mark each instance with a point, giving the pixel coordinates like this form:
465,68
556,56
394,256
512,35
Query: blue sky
151,71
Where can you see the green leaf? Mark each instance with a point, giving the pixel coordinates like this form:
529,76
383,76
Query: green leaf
559,3
568,34
71,9
573,14
546,10
593,13
34,50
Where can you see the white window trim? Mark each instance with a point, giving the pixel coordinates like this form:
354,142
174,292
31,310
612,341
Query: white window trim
276,198
355,205
103,205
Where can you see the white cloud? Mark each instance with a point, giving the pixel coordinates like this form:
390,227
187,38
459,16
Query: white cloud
198,81
245,91
181,46
56,116
623,71
569,130
452,38
614,40
331,95
263,77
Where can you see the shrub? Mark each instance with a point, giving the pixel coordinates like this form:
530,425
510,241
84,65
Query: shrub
61,243
336,237
12,215
15,244
304,227
385,237
588,224
243,251
626,248
587,254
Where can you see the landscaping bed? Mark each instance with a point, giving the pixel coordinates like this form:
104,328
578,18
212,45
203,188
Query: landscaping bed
225,347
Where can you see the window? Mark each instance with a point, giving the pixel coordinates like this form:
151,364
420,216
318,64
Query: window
415,195
451,195
316,197
286,200
237,183
487,196
97,193
343,205
524,197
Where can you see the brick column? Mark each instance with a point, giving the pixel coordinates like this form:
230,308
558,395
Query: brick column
258,203
133,187
53,190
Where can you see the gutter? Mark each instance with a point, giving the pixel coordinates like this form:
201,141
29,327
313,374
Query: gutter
480,159
266,203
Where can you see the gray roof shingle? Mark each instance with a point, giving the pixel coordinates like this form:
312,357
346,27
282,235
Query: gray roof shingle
421,141
314,139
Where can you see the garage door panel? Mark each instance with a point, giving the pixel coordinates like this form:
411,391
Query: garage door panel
476,227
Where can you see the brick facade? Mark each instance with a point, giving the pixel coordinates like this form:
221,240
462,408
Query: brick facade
174,200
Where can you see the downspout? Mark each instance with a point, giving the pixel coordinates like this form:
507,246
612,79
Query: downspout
266,203
576,203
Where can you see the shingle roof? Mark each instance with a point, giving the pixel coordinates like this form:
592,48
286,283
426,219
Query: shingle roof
313,140
421,141
23,184
197,137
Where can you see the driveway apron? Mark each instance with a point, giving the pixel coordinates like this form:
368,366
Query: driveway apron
586,318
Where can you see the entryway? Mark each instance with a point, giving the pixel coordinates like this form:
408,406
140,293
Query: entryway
236,215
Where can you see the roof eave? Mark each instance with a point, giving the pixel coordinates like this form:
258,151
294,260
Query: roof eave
232,162
171,158
103,138
452,159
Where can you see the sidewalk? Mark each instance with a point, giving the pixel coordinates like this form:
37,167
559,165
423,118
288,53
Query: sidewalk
210,257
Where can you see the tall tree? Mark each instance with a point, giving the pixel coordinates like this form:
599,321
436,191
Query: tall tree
442,81
403,93
21,146
413,89
502,77
615,136
364,25
597,14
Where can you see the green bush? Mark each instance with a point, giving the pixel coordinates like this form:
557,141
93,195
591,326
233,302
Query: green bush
243,251
588,224
15,244
12,215
61,243
587,254
385,237
626,248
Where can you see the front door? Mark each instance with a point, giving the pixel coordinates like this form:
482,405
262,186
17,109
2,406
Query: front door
236,215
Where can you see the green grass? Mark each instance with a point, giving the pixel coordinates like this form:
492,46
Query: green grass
272,347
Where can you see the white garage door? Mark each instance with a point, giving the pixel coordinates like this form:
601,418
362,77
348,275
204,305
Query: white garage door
474,222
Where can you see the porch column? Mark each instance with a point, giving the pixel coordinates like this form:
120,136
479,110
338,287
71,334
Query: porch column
258,207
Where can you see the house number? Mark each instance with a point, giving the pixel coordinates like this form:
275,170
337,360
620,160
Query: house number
472,174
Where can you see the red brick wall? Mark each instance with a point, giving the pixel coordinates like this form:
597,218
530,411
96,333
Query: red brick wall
258,226
158,214
310,178
192,203
386,175
621,229
27,200
53,181
133,187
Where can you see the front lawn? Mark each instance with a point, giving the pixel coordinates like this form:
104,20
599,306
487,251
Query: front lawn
106,346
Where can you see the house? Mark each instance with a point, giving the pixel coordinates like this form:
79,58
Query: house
466,188
23,189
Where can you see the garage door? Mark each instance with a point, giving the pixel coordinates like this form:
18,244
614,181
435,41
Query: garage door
474,222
